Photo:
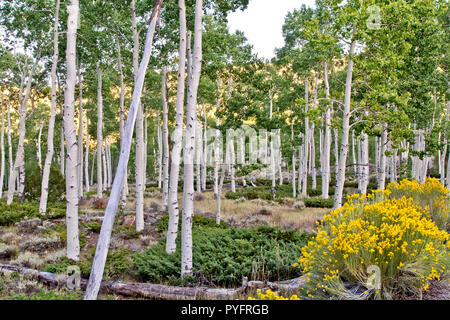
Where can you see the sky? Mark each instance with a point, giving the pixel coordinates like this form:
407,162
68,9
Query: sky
262,23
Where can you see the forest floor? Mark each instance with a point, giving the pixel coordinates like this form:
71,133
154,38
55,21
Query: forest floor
40,244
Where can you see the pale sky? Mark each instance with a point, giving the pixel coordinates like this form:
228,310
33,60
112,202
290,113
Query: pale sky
262,23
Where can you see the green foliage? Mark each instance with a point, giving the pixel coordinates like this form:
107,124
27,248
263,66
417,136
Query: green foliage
222,256
318,202
94,226
197,221
117,264
56,184
16,212
43,294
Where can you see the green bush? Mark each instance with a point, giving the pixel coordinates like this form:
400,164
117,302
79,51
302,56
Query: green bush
222,256
318,202
197,221
15,212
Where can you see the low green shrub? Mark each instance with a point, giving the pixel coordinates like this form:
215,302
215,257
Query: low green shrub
222,256
43,294
197,221
318,202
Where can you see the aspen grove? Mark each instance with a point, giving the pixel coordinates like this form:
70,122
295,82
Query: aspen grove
149,151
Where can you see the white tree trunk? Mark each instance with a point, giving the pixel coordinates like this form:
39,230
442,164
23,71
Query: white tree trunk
99,132
306,141
73,244
312,139
62,156
165,101
191,119
139,160
110,213
38,145
382,168
19,163
205,148
171,239
294,187
326,172
219,198
86,157
80,135
159,134
340,177
364,163
10,156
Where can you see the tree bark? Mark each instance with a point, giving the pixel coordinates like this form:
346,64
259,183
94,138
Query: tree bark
2,147
340,177
165,101
99,132
326,171
191,120
73,244
171,239
80,135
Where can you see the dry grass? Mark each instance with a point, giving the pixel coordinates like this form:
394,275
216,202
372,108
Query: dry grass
282,215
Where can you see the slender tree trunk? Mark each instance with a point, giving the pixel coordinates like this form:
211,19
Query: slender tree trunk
110,213
80,135
122,116
10,156
312,139
191,119
159,150
340,177
139,160
166,164
327,140
306,141
73,244
364,163
171,240
294,187
38,145
205,148
86,156
382,172
19,163
62,155
219,198
99,132
2,147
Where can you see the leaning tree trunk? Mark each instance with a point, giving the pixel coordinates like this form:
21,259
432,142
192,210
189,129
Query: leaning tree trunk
99,131
171,240
73,244
191,119
111,209
340,177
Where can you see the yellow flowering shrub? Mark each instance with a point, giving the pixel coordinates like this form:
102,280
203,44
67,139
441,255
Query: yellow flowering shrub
270,295
397,237
430,195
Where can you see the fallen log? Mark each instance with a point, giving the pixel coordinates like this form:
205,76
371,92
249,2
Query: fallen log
157,291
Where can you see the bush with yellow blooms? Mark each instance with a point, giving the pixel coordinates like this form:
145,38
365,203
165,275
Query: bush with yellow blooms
270,295
399,232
